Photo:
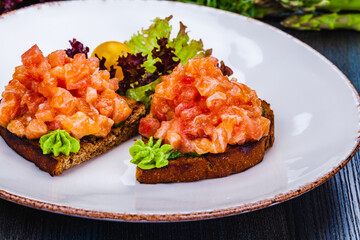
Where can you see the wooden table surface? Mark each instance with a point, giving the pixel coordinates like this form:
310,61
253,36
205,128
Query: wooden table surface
331,211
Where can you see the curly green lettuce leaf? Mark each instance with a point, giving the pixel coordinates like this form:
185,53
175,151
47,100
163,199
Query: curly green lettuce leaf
146,40
184,49
144,93
154,55
149,155
59,141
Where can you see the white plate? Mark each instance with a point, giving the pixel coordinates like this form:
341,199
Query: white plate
316,111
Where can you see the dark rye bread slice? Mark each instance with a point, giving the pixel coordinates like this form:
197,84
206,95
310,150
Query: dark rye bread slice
234,160
90,146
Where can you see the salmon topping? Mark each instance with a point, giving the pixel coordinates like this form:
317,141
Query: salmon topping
198,109
58,92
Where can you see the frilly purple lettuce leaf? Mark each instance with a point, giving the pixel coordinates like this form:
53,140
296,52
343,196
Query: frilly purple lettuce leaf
76,47
166,58
162,54
132,69
146,40
102,66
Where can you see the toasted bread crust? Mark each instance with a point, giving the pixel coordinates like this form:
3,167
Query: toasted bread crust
234,160
90,146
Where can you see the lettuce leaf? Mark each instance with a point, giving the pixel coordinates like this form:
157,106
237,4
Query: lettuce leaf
176,154
166,58
132,70
184,49
102,61
144,93
76,47
146,40
154,55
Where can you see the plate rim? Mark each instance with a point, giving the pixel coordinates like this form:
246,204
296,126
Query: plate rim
175,217
194,215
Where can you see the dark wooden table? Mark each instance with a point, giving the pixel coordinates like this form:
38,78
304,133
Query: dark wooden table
331,211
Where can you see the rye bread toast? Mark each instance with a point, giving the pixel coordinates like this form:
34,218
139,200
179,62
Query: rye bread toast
90,146
235,159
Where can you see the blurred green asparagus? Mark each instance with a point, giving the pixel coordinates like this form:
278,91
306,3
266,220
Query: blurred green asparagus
345,13
250,8
323,21
313,5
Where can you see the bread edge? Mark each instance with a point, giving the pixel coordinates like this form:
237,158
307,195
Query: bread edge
89,146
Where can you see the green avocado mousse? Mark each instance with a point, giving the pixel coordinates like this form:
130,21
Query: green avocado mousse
149,155
59,141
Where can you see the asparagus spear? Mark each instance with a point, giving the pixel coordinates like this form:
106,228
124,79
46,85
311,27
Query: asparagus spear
244,7
261,12
323,21
264,8
312,5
